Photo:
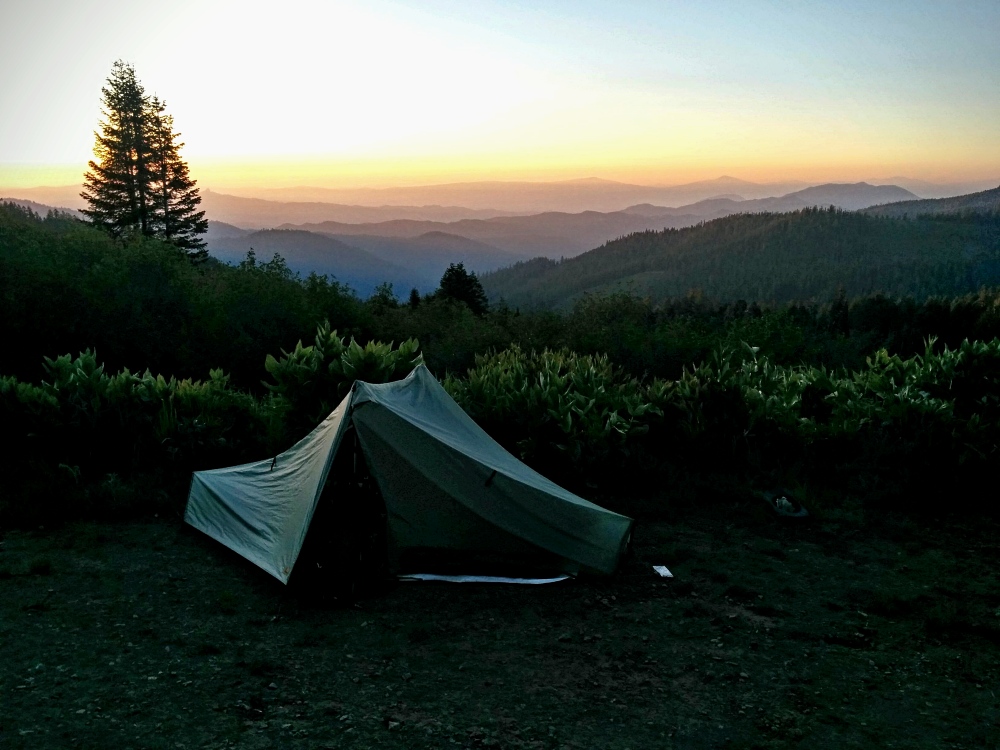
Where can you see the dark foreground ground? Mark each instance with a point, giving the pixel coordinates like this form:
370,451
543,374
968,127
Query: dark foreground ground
830,634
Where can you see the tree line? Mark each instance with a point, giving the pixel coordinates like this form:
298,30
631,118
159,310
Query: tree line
66,287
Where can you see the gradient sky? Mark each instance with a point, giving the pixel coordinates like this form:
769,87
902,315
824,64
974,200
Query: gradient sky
381,93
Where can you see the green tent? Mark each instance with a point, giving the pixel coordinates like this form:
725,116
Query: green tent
450,492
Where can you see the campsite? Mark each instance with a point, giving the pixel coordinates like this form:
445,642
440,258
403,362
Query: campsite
837,633
311,600
421,374
875,621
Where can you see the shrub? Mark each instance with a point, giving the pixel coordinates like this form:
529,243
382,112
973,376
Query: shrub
82,437
310,381
558,410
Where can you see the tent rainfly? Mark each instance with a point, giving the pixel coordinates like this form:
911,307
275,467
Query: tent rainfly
447,487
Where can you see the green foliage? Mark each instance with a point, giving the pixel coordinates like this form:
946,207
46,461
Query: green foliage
556,409
620,390
67,287
451,335
459,285
82,432
310,381
382,299
898,432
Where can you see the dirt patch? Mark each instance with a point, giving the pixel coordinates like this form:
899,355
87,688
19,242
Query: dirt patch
771,635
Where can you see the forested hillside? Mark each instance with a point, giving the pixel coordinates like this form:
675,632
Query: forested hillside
65,286
807,255
673,388
982,202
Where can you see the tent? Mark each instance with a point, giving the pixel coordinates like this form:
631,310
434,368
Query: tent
450,492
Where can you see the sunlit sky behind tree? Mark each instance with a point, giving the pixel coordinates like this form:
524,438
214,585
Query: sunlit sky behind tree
380,93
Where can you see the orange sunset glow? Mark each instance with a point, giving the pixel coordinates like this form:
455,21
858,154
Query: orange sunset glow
404,93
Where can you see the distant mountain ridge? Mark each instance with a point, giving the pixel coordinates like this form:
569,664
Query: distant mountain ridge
557,234
567,196
415,252
985,201
767,257
851,196
431,253
426,248
307,252
363,262
455,200
848,196
258,213
521,197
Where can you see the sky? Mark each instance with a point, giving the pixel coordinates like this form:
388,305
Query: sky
380,92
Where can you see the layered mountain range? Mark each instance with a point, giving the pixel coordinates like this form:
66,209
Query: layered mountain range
923,248
411,245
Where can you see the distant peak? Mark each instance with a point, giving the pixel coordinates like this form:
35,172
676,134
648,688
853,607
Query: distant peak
590,181
727,180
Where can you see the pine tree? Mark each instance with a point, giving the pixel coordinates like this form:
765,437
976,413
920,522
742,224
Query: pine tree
458,284
116,187
138,184
174,196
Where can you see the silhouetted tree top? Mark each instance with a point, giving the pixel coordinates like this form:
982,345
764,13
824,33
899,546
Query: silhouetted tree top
137,184
462,286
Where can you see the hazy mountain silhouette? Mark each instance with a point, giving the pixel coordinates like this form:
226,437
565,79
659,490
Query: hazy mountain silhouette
851,196
926,189
306,252
552,234
431,253
568,196
219,230
404,261
258,213
557,234
467,200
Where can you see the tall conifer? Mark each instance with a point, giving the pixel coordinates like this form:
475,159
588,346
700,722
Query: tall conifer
116,186
459,284
138,184
175,198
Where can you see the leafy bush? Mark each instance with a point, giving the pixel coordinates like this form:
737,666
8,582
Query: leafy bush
899,432
311,380
82,433
557,410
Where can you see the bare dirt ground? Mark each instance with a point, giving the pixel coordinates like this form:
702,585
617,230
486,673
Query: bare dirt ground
832,633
